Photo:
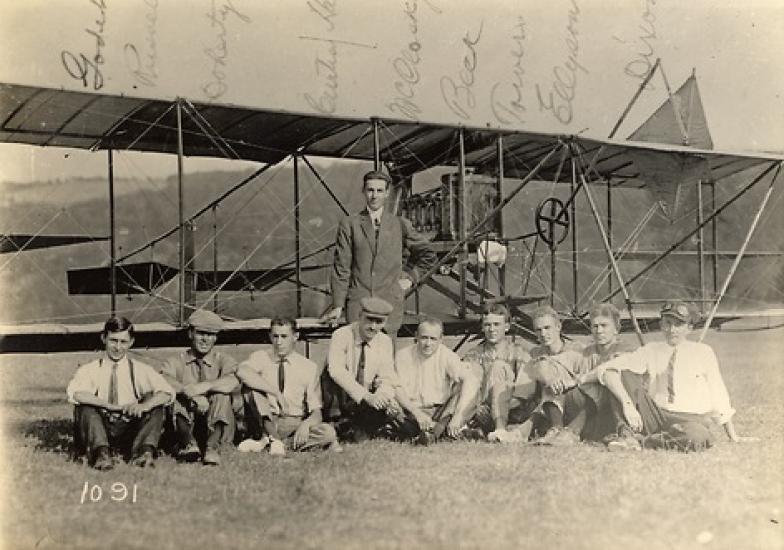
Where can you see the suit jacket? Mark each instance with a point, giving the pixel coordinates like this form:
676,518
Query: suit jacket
370,265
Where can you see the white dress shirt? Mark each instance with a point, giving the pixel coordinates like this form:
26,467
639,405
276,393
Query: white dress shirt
429,381
697,383
94,378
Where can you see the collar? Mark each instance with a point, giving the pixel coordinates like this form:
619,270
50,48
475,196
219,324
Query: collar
357,338
376,215
275,358
106,360
209,359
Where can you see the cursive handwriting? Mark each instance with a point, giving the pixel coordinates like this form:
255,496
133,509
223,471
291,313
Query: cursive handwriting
460,97
145,71
564,84
326,10
219,53
406,66
640,66
506,98
81,66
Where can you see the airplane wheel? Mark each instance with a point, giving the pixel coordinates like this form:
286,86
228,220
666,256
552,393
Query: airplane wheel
552,221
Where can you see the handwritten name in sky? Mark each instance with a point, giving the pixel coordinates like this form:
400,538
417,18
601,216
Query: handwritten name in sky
218,53
640,66
87,68
459,96
326,61
143,61
406,66
559,100
506,97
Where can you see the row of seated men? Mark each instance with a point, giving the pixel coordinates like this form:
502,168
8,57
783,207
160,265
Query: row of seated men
665,394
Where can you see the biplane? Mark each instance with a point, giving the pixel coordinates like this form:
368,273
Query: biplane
520,217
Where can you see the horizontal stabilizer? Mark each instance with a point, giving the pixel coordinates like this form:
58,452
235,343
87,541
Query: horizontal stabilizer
20,243
144,277
139,278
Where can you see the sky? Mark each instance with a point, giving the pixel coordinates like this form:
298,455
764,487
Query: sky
564,66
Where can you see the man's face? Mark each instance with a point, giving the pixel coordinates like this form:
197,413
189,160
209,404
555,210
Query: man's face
375,194
604,330
428,339
675,331
117,344
548,330
202,341
494,327
370,325
282,339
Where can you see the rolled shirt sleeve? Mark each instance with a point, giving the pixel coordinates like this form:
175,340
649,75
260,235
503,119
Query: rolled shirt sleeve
720,398
636,361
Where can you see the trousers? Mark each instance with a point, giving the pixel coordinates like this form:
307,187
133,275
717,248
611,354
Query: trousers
662,428
94,428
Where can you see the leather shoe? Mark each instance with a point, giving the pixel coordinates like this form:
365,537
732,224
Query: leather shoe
103,461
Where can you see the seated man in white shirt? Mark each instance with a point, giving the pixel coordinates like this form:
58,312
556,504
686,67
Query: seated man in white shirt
684,394
282,392
361,370
437,390
119,402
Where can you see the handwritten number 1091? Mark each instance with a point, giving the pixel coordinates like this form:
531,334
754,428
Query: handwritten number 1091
118,492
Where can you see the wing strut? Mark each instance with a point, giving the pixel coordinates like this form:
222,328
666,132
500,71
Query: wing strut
739,257
606,243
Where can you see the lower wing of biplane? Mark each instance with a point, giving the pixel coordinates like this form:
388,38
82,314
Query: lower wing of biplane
500,216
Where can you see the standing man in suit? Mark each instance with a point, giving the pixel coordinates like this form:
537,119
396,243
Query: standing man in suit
369,257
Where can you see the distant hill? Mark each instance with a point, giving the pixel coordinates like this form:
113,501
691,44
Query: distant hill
256,225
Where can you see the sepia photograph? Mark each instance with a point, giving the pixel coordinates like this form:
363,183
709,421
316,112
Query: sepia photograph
399,274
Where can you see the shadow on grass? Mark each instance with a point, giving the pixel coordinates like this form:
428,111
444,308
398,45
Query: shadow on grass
52,435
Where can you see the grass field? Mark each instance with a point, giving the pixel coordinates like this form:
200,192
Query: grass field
388,495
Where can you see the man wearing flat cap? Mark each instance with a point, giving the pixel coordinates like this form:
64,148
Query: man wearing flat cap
369,251
361,364
684,394
204,379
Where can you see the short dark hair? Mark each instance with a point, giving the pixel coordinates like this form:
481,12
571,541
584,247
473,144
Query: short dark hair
606,309
118,324
496,309
376,175
284,322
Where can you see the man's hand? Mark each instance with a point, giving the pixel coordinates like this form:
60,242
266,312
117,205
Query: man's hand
454,426
332,316
301,435
378,402
201,402
405,283
424,421
632,416
135,409
193,390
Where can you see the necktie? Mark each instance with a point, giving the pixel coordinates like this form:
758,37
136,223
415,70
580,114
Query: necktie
281,374
113,399
361,365
671,376
201,365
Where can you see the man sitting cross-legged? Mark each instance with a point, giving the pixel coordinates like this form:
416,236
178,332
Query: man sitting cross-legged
437,390
361,377
204,379
555,367
283,396
506,387
119,402
586,409
683,395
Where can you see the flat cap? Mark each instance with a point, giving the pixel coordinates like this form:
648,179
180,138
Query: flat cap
375,306
206,321
678,310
